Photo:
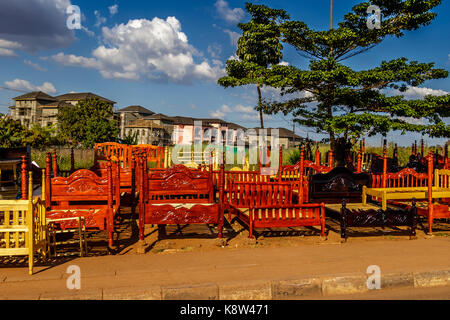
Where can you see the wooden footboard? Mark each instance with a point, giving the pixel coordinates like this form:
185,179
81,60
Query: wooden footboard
183,214
291,216
378,218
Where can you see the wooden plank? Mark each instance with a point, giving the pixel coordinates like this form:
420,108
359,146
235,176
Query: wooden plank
14,252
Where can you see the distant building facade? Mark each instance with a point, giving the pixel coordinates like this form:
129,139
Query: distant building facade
40,108
286,138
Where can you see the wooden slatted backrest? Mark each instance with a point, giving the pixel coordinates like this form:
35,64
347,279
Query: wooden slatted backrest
107,149
178,184
153,153
405,178
292,172
241,175
442,178
243,194
14,222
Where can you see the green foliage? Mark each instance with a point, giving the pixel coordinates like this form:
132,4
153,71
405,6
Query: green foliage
293,157
12,133
334,98
88,122
258,48
63,158
130,138
40,137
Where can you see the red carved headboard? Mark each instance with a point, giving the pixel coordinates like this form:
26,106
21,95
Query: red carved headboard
180,183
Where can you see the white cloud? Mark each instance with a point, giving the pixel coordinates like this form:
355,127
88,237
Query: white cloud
155,49
217,114
214,50
72,60
234,37
34,65
271,93
417,93
9,44
7,53
113,9
88,32
229,15
414,120
33,25
238,111
19,84
99,20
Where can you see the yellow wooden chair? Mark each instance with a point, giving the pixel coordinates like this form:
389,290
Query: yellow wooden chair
23,228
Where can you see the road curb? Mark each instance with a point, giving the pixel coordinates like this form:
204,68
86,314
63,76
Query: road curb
299,288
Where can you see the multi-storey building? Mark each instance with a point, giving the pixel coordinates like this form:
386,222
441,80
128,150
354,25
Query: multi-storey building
39,107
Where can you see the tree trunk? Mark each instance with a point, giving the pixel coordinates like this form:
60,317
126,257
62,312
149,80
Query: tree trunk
260,105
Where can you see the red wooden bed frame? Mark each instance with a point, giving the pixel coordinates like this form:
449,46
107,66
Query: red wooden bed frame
404,178
124,153
178,195
85,194
270,205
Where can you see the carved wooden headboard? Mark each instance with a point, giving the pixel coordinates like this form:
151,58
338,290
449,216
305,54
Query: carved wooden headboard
180,181
82,185
336,185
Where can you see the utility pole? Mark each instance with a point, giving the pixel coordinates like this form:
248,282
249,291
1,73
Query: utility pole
331,15
151,132
293,132
331,20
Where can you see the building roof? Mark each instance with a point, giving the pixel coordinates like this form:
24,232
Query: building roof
183,120
56,104
35,95
143,123
138,109
235,126
209,121
81,96
283,132
159,116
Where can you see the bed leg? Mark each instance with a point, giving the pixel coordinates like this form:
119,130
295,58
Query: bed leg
430,219
413,212
344,221
161,231
250,225
322,212
110,242
220,234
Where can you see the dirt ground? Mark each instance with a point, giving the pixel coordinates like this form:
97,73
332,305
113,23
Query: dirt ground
203,238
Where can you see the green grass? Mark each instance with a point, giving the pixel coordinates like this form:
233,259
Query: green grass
63,156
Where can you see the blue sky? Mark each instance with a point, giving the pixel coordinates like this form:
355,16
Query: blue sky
167,55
